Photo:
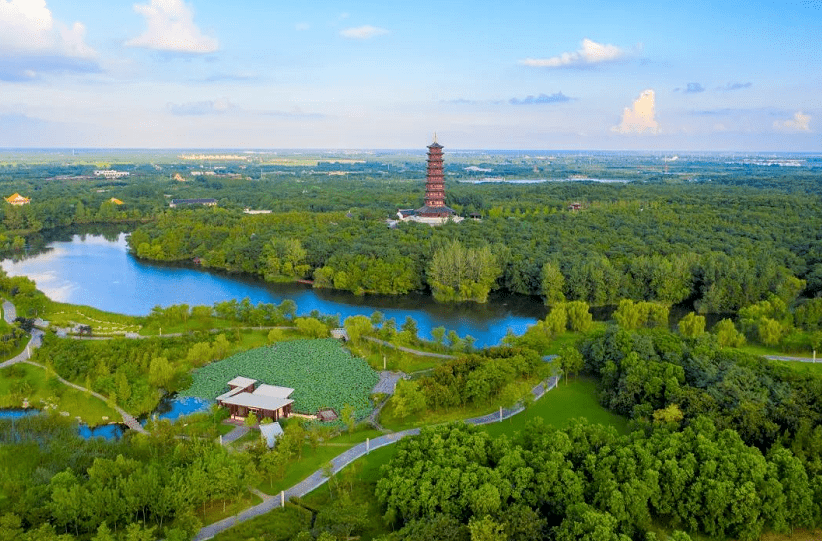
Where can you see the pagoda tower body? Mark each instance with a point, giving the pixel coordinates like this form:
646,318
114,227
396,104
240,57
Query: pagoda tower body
434,186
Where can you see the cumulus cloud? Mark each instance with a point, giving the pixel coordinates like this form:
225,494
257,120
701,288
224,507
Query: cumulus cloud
735,86
799,123
32,41
212,107
557,97
363,32
640,117
170,27
589,53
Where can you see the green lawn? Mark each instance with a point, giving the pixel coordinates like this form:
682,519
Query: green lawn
314,460
391,422
360,478
803,368
216,511
44,391
21,345
297,470
394,358
577,399
64,315
757,349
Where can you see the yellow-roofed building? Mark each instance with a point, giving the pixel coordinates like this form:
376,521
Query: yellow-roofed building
116,201
17,199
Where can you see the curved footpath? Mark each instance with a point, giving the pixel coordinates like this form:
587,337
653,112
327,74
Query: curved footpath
409,350
9,314
318,478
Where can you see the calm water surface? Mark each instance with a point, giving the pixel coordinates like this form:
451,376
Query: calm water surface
171,408
91,270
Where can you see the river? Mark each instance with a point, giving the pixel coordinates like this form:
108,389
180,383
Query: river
98,271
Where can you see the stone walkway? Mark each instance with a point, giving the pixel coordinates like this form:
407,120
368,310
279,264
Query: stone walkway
318,478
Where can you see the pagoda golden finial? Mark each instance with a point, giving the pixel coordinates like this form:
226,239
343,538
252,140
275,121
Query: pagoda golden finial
435,137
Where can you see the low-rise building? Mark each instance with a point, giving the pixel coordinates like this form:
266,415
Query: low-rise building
265,401
110,173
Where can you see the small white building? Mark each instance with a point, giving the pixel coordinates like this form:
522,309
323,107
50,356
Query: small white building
110,173
270,433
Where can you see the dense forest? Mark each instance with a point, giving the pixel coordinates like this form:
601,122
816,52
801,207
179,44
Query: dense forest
722,443
720,249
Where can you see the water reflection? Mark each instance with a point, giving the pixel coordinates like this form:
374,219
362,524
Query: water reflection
98,271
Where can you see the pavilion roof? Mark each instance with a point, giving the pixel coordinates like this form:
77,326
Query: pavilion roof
249,400
241,381
273,391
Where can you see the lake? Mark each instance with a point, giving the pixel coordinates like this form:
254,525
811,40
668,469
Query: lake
99,271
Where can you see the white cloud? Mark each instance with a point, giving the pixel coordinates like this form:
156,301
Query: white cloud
640,117
799,122
363,32
300,27
212,107
590,52
170,27
27,27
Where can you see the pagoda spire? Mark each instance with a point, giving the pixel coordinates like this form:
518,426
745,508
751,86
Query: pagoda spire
435,185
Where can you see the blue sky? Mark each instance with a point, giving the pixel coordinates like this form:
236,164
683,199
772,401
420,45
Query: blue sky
740,76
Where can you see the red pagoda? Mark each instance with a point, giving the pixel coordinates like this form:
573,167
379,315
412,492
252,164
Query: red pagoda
434,212
434,186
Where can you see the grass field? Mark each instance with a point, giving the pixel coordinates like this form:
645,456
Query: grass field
394,359
803,368
757,349
576,400
314,460
215,511
44,392
66,315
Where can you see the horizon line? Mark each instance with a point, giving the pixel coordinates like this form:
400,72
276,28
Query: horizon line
408,149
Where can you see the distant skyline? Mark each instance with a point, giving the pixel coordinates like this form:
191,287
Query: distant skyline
583,75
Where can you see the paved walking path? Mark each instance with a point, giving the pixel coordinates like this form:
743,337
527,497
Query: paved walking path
318,478
795,359
34,342
9,312
409,350
235,434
